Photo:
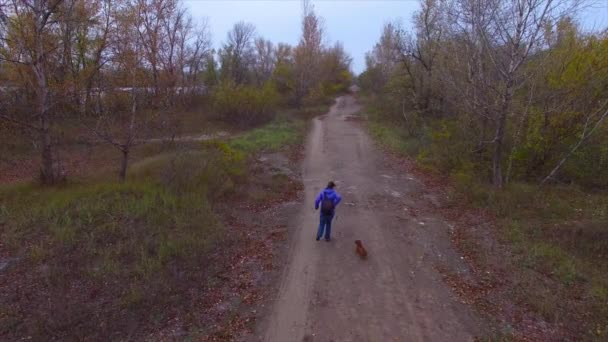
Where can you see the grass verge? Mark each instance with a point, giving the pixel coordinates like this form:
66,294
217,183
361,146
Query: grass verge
100,259
275,136
557,238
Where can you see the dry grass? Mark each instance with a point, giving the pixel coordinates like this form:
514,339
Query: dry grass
95,258
103,260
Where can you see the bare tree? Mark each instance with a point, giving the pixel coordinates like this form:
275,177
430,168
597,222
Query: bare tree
177,27
283,54
27,41
198,53
121,115
308,52
265,60
516,28
419,52
490,40
238,55
386,53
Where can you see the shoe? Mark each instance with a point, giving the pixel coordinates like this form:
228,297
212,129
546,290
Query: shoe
318,239
328,240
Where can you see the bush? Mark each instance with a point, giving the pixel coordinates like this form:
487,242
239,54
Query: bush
448,151
245,105
316,96
213,171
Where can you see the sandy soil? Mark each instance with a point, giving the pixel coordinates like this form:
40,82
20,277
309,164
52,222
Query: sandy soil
326,292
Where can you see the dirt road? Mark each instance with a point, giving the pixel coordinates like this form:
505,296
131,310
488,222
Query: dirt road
327,293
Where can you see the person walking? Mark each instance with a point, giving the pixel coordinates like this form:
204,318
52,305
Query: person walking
327,200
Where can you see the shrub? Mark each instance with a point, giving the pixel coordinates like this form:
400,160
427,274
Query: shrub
245,105
447,150
213,170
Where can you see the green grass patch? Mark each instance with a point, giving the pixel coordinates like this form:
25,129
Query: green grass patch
393,137
108,223
272,137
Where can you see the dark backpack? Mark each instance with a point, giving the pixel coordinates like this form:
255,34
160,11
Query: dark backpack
327,206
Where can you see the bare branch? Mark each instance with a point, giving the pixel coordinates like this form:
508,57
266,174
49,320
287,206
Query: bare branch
584,136
19,122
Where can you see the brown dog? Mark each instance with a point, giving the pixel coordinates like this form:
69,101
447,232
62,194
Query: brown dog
360,249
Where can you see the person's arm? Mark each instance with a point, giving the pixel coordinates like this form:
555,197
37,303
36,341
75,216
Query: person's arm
338,198
318,200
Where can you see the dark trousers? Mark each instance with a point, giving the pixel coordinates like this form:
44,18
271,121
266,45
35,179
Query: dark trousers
325,225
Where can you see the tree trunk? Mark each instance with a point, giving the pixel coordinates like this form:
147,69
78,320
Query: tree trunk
123,166
482,135
497,178
517,138
497,159
126,147
49,173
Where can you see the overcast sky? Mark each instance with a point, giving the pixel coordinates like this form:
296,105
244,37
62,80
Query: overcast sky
356,23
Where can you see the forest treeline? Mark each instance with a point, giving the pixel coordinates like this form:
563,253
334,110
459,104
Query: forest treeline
116,67
508,91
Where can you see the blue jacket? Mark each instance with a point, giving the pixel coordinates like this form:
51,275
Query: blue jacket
328,193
